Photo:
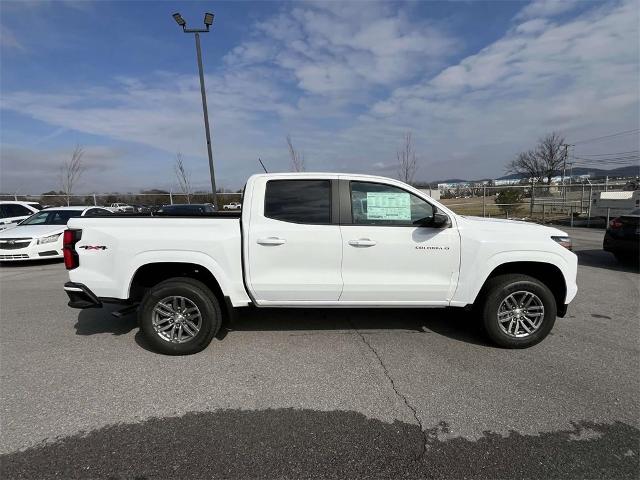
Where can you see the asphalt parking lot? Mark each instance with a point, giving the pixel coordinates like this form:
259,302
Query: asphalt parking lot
322,393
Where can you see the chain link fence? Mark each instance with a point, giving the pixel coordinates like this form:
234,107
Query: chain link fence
571,204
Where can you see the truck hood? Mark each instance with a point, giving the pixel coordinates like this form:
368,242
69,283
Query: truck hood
511,226
33,231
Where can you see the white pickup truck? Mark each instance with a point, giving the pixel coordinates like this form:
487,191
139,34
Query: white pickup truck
320,240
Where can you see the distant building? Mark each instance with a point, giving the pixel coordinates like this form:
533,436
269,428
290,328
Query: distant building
432,192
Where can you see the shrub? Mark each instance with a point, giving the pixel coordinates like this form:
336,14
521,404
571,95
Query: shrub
509,199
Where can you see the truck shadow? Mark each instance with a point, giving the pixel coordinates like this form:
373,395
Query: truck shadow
452,323
601,259
93,321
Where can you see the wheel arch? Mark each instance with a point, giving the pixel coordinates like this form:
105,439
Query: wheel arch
547,273
151,274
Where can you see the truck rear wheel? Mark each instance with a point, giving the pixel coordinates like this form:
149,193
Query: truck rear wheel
179,316
518,310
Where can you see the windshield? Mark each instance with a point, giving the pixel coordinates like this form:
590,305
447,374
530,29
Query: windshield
51,217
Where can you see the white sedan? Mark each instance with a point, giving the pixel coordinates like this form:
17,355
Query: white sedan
40,235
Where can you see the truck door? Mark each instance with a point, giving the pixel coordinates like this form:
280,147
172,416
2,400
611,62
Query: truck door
294,247
387,257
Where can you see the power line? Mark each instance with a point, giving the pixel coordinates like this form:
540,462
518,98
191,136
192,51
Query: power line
612,160
617,134
608,160
607,154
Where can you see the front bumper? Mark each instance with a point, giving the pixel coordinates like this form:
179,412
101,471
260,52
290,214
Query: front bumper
32,251
80,296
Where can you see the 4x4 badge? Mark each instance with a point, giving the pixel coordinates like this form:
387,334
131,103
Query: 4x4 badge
93,247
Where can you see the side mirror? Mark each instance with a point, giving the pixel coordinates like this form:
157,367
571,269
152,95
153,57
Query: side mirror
440,220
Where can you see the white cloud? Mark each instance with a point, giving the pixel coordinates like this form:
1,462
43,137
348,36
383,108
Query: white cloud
580,77
347,86
546,8
335,48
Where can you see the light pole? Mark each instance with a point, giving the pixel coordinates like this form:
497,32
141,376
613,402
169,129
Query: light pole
208,21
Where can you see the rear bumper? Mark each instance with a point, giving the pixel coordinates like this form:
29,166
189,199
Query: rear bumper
80,296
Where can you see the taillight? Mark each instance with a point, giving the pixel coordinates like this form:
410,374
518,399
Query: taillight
615,224
69,240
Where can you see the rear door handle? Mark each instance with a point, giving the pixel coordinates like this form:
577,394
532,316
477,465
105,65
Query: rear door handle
362,242
271,241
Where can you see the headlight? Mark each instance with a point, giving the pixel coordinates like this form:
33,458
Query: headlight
49,239
564,241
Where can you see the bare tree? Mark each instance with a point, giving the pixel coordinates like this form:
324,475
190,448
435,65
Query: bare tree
70,172
297,158
528,165
183,176
542,163
406,156
550,152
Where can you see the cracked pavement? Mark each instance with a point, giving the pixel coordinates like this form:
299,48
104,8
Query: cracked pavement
321,393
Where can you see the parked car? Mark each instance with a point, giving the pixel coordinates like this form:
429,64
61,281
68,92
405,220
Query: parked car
232,206
13,212
622,237
141,209
40,235
121,208
321,240
186,209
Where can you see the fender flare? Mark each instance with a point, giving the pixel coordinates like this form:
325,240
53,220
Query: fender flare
173,256
475,284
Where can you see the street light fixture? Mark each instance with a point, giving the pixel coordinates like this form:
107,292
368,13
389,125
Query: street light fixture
179,20
208,21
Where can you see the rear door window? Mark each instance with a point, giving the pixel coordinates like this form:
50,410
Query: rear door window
299,201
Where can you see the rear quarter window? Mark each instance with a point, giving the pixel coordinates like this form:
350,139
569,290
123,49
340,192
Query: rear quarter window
298,201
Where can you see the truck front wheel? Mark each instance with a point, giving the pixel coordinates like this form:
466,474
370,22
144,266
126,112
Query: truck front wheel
518,311
179,316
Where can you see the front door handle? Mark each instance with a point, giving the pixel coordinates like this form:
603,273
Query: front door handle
362,242
271,241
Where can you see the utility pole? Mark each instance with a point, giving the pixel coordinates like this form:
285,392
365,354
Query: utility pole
564,170
208,21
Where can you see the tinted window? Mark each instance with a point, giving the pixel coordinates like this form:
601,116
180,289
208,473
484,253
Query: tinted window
298,201
379,204
97,211
52,217
13,210
192,209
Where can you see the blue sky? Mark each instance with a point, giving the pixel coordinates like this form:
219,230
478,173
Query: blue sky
475,82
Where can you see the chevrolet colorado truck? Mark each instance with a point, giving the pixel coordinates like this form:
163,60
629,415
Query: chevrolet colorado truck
320,240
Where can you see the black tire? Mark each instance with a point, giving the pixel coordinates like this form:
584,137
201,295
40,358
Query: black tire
497,290
193,290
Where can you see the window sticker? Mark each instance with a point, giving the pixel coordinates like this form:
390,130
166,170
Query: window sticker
388,206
